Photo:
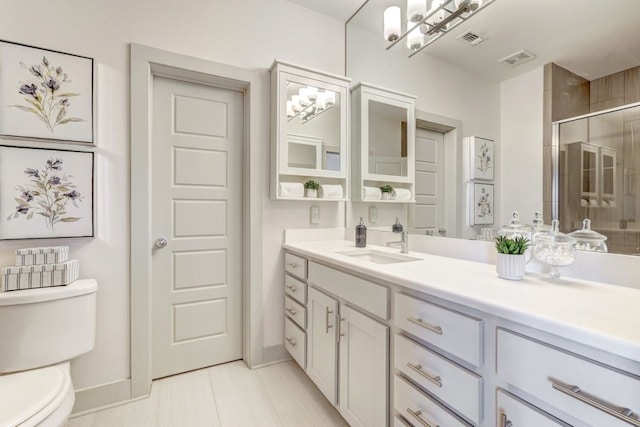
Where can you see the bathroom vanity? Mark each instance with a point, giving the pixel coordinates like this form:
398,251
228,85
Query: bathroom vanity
423,340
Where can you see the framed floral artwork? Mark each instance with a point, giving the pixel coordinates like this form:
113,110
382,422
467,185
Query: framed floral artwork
482,209
482,159
45,94
45,193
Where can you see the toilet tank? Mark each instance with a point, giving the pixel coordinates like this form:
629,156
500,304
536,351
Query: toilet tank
40,327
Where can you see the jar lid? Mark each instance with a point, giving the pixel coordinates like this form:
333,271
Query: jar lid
515,227
554,236
587,234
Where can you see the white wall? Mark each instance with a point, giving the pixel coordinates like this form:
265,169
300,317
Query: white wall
521,145
244,33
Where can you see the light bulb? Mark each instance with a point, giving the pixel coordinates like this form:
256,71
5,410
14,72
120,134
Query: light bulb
312,93
290,112
415,39
472,5
304,97
416,10
321,102
295,103
392,23
330,98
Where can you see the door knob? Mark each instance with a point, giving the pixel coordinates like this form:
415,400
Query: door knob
161,243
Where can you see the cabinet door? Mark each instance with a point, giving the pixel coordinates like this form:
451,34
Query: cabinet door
363,379
513,412
322,354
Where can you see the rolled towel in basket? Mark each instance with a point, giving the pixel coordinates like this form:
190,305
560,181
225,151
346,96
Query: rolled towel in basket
402,194
331,191
291,189
371,193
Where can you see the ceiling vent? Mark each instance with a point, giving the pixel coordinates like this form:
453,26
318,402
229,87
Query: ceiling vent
470,38
517,58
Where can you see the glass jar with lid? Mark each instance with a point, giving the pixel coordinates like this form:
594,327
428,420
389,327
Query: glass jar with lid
588,239
517,228
555,249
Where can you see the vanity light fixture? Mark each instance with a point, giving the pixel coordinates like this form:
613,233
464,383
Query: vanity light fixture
425,27
309,103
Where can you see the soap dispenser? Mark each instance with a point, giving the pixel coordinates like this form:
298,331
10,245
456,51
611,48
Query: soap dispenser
361,234
397,227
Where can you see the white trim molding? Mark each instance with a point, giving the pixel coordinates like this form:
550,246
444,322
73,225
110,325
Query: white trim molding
147,62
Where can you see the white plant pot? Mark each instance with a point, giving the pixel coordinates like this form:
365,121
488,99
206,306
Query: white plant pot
386,196
311,193
511,267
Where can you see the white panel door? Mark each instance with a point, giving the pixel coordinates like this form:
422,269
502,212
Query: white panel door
428,214
322,346
197,208
363,378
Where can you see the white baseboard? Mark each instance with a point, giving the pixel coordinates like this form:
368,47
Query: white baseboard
92,399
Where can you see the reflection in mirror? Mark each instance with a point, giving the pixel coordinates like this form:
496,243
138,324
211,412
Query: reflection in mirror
387,139
313,127
598,164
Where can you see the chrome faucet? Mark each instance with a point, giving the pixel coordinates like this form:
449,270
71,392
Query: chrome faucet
403,242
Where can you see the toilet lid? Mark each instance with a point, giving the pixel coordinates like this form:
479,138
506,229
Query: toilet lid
24,394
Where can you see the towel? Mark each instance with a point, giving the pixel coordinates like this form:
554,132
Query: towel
371,193
291,189
402,194
331,191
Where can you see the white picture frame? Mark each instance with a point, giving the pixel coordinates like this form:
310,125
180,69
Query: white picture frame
481,159
482,204
46,193
46,94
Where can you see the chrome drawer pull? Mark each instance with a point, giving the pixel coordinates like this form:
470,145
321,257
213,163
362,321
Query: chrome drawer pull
427,326
418,416
293,288
291,311
433,378
327,319
623,414
292,264
504,421
292,341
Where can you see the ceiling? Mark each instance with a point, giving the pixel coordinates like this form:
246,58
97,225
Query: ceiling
589,38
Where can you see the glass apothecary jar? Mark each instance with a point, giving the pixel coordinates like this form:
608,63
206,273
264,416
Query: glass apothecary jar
589,240
555,249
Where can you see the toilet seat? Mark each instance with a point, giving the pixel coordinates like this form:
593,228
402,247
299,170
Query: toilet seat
42,397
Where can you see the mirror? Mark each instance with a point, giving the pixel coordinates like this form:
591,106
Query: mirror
312,128
455,81
387,139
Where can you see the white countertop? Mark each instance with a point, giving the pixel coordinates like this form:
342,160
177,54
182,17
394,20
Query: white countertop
602,316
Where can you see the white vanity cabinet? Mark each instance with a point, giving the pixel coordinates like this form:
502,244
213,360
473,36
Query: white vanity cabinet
383,141
309,132
295,311
347,347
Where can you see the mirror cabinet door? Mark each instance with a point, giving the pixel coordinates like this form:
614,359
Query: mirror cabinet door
310,113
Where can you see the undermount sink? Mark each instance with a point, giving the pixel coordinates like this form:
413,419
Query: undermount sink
378,257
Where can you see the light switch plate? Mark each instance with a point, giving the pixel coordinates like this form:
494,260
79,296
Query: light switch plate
315,215
373,214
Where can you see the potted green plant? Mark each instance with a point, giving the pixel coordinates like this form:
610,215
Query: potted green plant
511,258
386,191
311,188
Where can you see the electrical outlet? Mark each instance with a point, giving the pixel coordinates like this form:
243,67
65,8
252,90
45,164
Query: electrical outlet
315,215
373,214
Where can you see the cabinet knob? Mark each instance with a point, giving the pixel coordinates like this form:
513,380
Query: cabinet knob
161,242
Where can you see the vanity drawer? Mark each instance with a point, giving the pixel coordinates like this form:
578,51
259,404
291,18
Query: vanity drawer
296,312
295,341
295,265
447,381
551,374
370,296
512,410
421,410
453,332
295,289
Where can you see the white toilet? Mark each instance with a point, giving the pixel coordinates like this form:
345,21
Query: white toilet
41,330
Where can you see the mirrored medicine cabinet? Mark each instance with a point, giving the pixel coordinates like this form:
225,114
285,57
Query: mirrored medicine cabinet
309,116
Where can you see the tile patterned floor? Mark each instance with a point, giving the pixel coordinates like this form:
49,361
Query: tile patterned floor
229,395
